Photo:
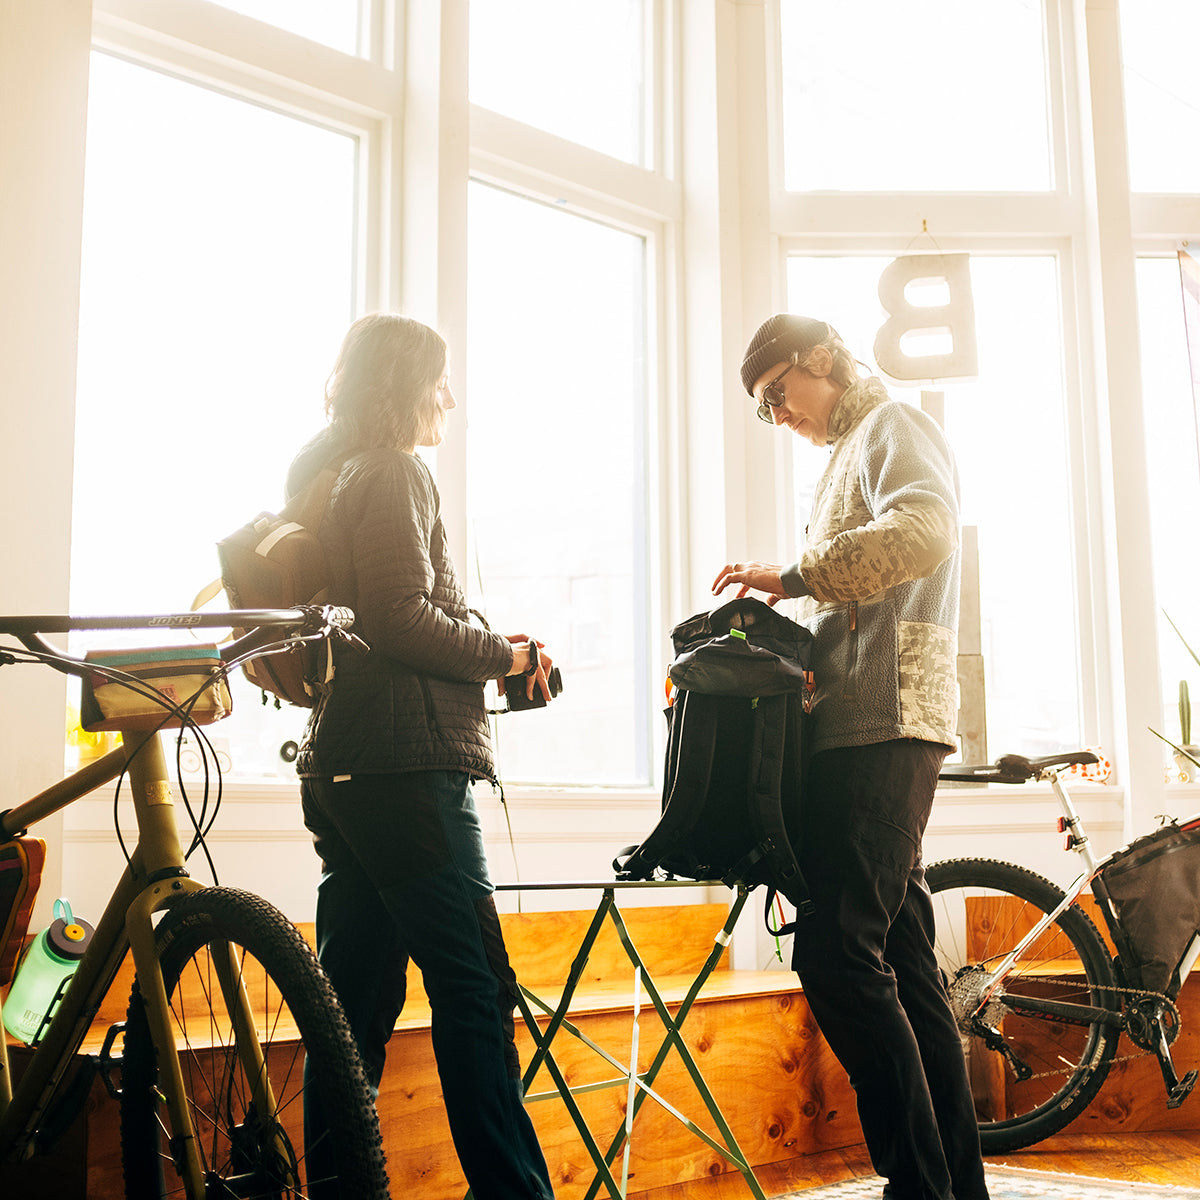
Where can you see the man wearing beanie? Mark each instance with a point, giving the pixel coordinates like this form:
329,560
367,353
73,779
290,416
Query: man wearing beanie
878,577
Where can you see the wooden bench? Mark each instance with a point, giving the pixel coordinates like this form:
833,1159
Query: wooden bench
760,1052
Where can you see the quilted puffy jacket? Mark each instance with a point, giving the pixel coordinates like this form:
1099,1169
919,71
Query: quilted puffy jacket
415,701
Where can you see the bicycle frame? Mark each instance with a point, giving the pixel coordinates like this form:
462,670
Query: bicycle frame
155,873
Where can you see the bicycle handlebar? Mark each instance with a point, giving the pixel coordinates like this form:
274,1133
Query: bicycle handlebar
309,616
305,620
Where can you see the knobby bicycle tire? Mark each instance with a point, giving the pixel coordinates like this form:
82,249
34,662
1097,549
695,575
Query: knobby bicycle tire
296,1014
982,909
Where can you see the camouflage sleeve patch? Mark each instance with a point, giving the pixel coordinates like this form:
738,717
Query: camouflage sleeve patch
908,542
928,679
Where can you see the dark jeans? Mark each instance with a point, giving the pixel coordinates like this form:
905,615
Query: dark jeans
405,876
867,965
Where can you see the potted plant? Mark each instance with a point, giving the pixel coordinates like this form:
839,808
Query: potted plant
1187,755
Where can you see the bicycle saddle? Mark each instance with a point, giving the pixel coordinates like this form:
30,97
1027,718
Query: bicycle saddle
1015,768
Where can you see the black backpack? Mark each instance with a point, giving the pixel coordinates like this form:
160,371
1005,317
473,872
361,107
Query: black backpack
735,755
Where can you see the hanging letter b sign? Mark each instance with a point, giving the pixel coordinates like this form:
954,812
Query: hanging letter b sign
956,317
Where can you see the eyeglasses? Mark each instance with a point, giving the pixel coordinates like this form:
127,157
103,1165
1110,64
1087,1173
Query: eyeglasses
773,396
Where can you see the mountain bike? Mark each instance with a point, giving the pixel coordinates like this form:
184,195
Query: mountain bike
1039,995
231,1021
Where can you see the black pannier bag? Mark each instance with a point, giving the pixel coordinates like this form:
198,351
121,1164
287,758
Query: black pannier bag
1154,883
735,747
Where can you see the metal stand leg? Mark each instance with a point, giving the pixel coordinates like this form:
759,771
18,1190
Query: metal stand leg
628,1076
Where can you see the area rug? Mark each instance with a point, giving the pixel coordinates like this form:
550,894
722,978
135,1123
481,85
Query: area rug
1013,1183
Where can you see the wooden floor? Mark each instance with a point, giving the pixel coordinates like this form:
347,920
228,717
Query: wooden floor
1162,1158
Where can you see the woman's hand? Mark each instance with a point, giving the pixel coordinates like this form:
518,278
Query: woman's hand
762,577
524,655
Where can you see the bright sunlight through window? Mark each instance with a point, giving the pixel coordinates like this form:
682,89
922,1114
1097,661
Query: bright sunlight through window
1020,504
217,283
937,96
556,420
575,70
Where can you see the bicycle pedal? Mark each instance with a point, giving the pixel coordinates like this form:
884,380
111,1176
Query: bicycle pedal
1180,1092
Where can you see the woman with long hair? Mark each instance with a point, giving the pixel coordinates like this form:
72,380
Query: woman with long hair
391,752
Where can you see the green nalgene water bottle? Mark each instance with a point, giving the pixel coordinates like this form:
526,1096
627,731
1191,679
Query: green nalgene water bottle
50,960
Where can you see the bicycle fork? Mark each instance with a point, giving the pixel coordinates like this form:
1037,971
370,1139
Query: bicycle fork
167,879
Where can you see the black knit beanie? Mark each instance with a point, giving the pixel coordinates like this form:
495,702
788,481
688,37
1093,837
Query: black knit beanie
777,339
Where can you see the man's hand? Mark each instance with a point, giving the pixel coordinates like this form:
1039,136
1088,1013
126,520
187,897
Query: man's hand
761,577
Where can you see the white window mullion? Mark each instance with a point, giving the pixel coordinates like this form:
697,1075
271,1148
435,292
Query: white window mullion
225,49
1132,638
433,219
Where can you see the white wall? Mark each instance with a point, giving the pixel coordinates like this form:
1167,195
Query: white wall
43,118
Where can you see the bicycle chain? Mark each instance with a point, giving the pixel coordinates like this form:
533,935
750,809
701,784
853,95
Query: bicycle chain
1134,994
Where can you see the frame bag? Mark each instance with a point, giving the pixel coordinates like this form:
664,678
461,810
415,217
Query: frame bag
21,863
735,747
1154,884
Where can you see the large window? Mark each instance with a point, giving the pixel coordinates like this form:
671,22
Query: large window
577,70
227,247
218,279
558,494
1019,501
937,96
1162,93
1173,471
235,226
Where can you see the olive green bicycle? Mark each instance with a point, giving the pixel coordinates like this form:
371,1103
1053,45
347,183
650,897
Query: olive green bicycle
231,1019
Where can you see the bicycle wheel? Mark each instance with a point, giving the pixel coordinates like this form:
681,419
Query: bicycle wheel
244,1151
1032,1072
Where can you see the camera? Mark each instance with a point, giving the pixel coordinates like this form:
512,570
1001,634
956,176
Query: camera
514,691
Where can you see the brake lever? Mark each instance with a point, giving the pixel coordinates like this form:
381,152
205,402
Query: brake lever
351,638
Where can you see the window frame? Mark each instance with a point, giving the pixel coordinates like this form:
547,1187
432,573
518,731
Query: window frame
1094,225
711,284
1082,507
411,247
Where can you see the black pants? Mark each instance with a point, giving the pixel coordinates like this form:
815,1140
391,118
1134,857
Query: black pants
404,876
867,965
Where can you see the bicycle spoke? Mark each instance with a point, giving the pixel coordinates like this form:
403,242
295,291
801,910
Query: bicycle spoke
1039,1040
249,1121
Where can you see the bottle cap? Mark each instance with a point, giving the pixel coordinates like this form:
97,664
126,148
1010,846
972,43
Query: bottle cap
69,935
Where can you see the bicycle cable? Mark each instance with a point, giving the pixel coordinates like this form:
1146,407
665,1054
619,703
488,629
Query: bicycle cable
201,822
172,710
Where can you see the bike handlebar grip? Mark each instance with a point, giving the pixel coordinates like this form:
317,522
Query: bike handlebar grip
341,616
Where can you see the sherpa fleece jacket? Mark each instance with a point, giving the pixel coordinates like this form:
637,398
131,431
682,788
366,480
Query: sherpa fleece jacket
415,701
880,576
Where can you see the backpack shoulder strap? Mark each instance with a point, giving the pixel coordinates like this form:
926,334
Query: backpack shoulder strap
309,505
691,745
773,715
